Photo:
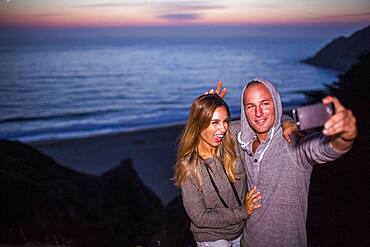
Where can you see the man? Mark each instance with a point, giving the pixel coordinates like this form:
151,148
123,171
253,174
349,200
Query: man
279,170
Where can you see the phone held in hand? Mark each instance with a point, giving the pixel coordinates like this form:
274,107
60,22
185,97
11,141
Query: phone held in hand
312,116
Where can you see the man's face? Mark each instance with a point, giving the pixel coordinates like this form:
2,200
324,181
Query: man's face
259,109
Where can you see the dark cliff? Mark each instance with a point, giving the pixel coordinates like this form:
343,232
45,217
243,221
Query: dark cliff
342,52
44,202
338,212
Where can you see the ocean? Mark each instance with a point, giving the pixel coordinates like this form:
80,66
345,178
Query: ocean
75,88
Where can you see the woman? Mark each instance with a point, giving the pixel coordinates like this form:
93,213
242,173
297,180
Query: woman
211,178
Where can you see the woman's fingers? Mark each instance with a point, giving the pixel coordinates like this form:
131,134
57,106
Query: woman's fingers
222,93
249,193
253,196
218,88
252,200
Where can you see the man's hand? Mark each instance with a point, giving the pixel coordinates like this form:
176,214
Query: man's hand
218,91
341,127
252,200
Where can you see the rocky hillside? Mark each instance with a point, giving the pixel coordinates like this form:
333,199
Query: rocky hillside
44,202
342,52
338,212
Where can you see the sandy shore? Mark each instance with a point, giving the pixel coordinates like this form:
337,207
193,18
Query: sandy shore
153,152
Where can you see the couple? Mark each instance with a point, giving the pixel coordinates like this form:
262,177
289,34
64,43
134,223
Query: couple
219,162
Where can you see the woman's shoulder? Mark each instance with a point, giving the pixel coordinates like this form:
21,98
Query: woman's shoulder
234,127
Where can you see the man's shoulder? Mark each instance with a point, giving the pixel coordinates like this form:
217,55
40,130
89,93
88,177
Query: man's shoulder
235,127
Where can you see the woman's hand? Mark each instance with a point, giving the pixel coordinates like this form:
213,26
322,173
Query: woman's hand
252,200
290,127
221,93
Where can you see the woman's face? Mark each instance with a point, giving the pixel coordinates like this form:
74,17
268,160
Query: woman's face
213,134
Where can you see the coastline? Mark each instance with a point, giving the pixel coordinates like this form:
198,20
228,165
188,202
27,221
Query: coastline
152,151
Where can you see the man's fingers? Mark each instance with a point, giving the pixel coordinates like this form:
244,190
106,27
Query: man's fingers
334,120
342,123
336,123
331,99
347,130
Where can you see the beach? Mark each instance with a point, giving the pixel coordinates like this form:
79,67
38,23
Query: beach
152,151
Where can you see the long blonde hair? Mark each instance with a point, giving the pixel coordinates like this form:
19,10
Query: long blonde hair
188,161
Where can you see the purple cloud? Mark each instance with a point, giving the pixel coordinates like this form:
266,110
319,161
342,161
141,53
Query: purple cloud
183,16
185,10
108,5
48,15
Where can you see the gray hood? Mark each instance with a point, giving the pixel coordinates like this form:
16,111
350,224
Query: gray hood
247,134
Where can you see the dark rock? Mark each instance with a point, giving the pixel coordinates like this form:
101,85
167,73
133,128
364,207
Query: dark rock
126,197
338,201
176,230
44,202
342,52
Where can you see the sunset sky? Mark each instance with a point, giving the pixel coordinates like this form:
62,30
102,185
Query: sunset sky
169,13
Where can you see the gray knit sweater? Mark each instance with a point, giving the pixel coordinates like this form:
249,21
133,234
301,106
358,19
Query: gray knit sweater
281,172
210,220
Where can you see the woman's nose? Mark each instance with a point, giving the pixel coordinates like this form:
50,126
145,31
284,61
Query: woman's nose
222,127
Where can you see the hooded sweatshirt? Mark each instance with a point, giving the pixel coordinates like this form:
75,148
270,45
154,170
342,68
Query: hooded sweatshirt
210,219
281,172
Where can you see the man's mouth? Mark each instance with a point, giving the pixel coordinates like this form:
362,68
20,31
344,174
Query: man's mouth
260,121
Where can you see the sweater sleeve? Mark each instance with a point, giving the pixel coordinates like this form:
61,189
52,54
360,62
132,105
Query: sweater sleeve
316,149
201,216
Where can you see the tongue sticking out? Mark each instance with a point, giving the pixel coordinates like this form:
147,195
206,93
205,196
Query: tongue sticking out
218,139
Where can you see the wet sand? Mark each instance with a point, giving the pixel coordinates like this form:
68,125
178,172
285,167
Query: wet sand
153,152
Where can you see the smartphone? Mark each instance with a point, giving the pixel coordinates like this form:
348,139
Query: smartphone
312,116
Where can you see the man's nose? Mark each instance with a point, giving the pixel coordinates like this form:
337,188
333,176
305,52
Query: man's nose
258,111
